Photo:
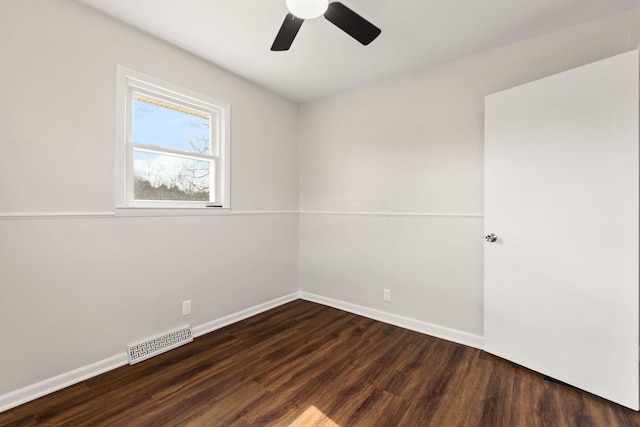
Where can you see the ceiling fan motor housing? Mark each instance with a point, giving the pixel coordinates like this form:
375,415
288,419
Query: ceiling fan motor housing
307,9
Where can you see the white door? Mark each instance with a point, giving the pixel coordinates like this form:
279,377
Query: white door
561,195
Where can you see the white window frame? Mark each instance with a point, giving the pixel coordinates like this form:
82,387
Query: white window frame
129,81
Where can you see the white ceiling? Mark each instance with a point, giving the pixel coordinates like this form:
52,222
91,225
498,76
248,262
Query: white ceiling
237,35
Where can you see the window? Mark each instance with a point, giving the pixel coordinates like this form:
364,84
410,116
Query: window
173,145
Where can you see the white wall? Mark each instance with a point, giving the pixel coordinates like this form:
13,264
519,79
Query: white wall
77,290
414,145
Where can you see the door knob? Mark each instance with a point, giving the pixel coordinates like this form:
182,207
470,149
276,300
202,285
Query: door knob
491,238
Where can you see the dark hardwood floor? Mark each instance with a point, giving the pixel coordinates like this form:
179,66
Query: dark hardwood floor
305,364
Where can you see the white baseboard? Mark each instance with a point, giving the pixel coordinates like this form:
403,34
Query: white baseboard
34,391
205,328
448,334
42,388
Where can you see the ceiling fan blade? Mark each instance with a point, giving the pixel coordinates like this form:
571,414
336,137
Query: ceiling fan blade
352,23
287,33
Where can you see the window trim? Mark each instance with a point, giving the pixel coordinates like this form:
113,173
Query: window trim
128,81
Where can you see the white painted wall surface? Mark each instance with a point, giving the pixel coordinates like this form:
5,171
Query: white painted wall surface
355,257
414,144
74,291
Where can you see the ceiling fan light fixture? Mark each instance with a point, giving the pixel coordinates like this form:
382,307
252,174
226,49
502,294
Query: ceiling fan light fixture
307,9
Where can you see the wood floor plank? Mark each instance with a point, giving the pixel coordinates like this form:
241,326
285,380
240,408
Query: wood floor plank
332,352
385,408
278,365
304,364
24,421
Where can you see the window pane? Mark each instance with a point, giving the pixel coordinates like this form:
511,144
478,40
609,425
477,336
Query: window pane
164,177
171,126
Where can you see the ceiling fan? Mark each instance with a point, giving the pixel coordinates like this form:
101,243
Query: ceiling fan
336,13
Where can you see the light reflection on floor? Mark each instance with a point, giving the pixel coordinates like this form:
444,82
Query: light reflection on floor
313,417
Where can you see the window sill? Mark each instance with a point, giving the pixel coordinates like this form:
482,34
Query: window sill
149,211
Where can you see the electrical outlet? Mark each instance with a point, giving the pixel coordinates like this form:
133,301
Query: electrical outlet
387,294
186,307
